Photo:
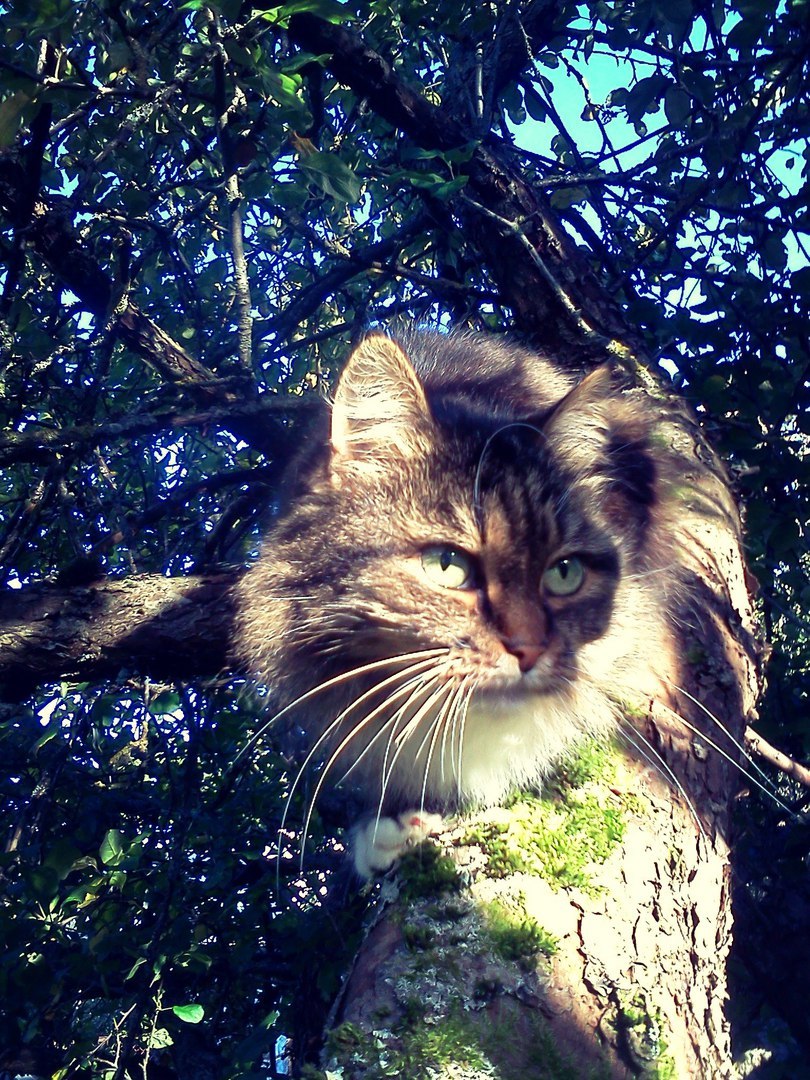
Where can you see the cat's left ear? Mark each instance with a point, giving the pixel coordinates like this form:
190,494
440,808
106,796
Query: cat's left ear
603,435
380,406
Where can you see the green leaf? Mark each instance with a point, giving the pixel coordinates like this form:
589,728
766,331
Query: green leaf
159,1039
189,1014
50,732
111,851
535,106
167,701
63,857
450,188
239,55
330,10
677,105
645,96
332,175
138,964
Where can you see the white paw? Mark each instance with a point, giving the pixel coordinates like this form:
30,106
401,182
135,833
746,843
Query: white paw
379,843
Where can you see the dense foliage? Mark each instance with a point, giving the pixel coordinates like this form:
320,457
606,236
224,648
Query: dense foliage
201,205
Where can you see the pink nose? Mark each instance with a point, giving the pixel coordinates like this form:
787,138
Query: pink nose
527,655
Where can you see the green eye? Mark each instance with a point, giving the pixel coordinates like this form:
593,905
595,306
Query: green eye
564,577
449,567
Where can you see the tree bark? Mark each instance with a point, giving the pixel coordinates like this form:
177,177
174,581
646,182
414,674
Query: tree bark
49,230
542,275
637,982
169,628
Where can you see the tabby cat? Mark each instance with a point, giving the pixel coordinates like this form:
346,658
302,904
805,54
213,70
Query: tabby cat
473,569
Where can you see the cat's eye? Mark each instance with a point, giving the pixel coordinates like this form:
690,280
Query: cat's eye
449,567
564,577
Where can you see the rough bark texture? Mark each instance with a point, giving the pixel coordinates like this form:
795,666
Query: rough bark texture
637,982
49,230
638,978
542,275
166,627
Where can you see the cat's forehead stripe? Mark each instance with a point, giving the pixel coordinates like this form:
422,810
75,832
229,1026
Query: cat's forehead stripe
516,513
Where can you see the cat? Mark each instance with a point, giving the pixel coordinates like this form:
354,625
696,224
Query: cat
474,567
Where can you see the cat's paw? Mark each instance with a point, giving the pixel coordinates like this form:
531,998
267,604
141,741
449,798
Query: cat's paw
377,844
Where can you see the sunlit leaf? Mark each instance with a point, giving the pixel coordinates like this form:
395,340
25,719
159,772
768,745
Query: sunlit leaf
189,1014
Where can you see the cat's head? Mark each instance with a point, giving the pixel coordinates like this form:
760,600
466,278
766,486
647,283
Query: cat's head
454,552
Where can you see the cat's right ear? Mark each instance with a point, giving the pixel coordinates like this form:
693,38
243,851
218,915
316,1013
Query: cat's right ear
380,408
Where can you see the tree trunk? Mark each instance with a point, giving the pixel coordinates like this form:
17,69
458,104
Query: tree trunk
631,878
588,932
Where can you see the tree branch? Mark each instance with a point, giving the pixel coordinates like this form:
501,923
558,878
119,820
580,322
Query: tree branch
42,444
517,218
759,746
169,628
51,234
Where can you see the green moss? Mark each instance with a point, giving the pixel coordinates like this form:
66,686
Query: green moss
447,911
439,1046
425,872
557,840
561,835
418,1051
512,1044
413,1011
418,937
515,935
641,1037
594,760
634,711
346,1038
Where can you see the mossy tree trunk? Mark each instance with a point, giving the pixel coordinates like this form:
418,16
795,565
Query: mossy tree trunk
584,934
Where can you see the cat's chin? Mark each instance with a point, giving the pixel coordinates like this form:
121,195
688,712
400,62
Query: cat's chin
514,688
517,692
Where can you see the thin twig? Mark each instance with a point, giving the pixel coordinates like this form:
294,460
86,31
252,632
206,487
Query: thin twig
757,745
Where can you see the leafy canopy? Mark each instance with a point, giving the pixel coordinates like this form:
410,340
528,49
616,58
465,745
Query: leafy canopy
201,205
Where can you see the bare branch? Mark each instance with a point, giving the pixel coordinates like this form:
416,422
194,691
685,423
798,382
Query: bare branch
170,628
759,746
38,444
494,184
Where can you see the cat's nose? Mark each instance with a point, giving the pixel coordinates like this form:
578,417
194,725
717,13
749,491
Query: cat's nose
524,631
527,655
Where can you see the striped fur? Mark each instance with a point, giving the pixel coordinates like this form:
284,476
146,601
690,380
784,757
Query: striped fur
433,697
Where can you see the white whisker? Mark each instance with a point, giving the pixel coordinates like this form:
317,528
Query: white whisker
433,731
429,657
463,710
406,689
724,754
412,724
337,680
386,775
723,728
662,766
